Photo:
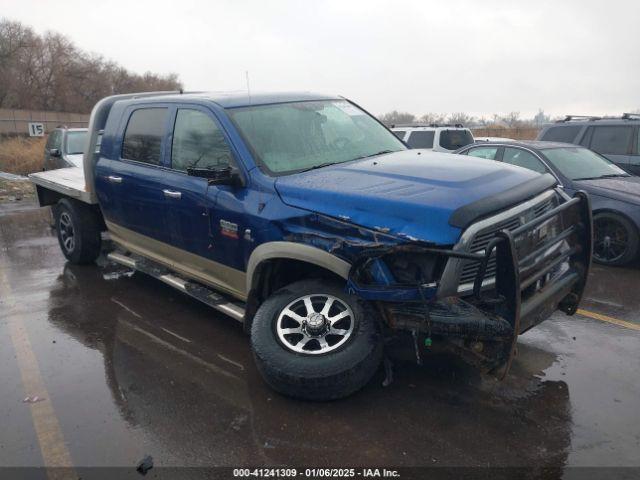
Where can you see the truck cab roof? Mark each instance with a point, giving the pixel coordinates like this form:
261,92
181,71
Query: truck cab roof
237,99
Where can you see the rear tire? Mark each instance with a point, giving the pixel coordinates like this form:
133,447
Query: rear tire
78,230
346,363
615,239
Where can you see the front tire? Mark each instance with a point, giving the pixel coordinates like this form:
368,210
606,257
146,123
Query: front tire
78,230
312,341
615,239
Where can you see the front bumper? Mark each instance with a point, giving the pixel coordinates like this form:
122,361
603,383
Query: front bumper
541,266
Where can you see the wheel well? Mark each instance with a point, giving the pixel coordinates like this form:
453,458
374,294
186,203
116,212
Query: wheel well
619,214
273,274
94,209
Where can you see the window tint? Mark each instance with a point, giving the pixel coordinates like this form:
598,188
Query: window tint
484,152
143,137
421,139
455,139
198,142
399,133
611,140
522,158
561,134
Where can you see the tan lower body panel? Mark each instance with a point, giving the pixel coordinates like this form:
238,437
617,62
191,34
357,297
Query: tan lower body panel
214,274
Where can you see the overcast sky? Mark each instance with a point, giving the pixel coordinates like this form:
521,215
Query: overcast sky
480,57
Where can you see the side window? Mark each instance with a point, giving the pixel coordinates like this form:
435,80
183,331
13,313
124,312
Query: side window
611,140
399,133
522,158
54,140
198,142
484,152
143,136
421,139
561,134
637,152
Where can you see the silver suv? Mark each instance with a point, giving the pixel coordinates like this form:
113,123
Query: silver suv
439,138
617,138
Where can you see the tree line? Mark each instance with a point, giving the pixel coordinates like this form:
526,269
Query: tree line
49,72
510,120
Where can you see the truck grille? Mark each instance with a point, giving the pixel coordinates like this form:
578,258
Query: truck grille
483,237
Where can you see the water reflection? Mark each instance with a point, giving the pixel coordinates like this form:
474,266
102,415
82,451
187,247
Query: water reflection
185,376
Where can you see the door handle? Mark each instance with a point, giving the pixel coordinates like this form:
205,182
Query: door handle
114,179
172,194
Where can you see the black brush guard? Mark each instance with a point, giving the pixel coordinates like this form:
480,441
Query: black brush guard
541,266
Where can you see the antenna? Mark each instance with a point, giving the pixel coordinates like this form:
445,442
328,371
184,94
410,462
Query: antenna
246,74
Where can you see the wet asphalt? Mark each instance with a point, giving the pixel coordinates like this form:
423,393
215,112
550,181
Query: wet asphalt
131,367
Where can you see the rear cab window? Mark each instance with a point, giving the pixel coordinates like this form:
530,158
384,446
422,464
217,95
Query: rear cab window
143,135
399,133
421,139
455,139
566,134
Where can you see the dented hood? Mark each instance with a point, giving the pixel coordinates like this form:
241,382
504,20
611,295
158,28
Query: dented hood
412,192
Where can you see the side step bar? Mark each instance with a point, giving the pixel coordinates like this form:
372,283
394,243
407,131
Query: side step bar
191,288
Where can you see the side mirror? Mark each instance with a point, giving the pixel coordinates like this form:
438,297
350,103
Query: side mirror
226,175
54,152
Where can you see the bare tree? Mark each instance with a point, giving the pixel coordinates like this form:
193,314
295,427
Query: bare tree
49,72
512,119
433,118
396,117
460,118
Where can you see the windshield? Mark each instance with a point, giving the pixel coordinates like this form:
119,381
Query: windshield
292,137
75,142
577,163
455,139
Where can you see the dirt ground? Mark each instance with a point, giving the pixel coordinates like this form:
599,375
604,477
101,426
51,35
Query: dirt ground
15,190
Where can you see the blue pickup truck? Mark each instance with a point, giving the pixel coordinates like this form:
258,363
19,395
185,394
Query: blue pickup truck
306,219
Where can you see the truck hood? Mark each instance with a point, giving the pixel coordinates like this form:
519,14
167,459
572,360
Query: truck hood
411,193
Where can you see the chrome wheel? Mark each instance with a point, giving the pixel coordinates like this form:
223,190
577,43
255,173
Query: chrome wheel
315,324
66,232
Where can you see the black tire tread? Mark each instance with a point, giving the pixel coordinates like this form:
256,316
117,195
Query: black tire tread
86,225
323,378
634,239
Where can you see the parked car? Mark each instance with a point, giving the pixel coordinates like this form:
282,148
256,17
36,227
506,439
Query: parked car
303,217
65,146
492,139
615,194
618,139
439,138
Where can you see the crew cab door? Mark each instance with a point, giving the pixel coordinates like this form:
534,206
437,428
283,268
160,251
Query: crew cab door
134,180
199,216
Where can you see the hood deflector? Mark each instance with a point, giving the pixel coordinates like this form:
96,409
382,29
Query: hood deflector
467,214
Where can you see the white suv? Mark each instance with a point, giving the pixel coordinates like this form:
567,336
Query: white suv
439,138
